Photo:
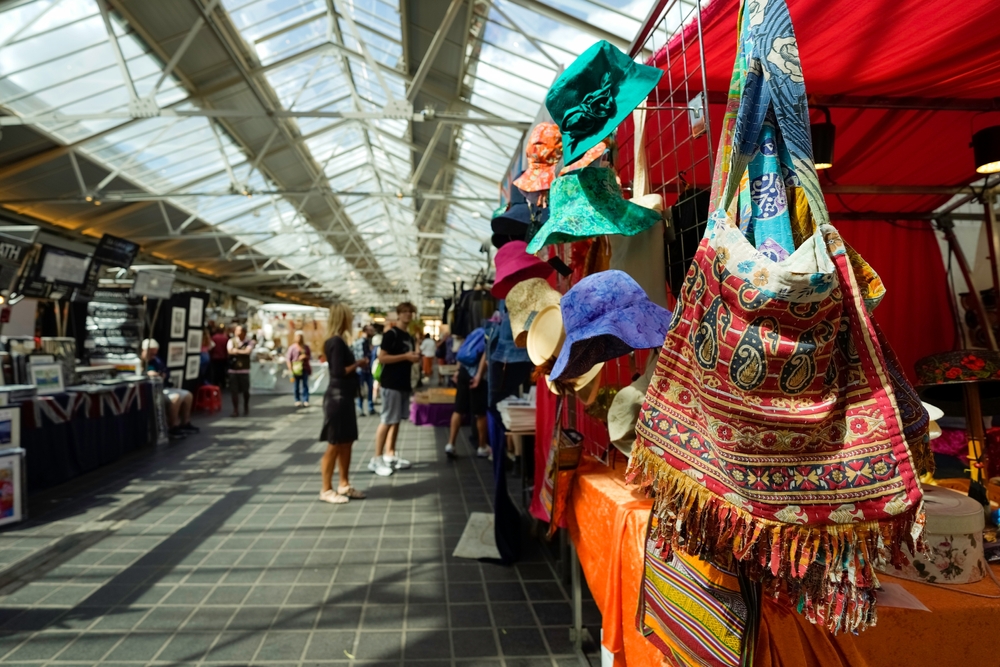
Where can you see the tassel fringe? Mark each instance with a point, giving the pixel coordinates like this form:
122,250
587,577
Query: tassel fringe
828,571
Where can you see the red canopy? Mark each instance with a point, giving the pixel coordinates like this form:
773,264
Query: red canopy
906,83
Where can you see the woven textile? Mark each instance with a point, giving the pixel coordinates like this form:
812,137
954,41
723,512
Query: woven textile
770,433
691,610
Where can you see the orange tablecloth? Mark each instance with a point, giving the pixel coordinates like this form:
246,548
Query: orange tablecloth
607,524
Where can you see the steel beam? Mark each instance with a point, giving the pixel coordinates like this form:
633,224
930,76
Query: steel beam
440,116
432,50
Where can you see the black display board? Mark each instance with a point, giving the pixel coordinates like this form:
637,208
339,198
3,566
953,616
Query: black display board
112,326
13,253
115,251
180,321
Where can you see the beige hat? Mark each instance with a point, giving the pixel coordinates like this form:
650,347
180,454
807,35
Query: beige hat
523,301
586,386
935,413
624,411
934,431
545,335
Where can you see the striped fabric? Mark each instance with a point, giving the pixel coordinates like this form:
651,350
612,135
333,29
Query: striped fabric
691,610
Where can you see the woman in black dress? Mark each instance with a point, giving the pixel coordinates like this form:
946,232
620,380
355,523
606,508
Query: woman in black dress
340,424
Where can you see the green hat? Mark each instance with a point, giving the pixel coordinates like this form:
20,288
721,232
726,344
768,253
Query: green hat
595,94
587,203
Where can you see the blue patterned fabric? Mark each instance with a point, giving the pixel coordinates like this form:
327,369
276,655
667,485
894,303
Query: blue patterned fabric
588,202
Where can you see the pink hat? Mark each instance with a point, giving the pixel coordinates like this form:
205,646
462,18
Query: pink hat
514,264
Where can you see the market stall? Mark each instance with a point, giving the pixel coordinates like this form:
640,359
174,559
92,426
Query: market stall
275,325
675,293
71,433
608,526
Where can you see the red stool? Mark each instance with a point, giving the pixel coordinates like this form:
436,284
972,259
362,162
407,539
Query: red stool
208,397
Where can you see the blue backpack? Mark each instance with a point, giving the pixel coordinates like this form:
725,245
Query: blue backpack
472,348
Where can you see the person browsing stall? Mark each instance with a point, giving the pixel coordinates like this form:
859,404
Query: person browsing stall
397,354
179,401
340,423
219,357
427,349
362,349
298,358
471,397
239,349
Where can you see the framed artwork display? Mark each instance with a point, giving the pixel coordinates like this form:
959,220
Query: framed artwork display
11,487
48,378
197,312
176,351
193,369
177,318
194,340
10,428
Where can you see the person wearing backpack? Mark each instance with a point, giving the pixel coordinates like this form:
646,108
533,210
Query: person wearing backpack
298,358
472,395
362,348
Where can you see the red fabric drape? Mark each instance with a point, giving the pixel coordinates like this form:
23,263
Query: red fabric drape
915,314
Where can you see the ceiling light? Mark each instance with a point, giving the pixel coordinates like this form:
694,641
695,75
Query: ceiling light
986,148
823,137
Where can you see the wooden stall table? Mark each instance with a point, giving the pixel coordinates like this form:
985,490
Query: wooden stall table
607,524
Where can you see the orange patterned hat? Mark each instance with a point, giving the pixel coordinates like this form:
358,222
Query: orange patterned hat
544,151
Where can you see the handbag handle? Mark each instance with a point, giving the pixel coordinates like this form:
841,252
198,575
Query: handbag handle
773,77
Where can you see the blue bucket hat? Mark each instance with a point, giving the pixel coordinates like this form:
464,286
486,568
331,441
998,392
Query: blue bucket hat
606,315
516,219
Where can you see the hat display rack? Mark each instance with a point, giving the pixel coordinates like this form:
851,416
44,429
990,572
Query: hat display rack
677,141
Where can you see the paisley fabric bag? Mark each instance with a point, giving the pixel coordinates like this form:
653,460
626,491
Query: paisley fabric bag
770,433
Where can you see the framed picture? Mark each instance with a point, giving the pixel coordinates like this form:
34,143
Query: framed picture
193,369
194,340
177,318
48,378
197,312
10,428
176,351
11,487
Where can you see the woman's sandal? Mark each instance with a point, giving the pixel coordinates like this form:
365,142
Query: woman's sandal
332,497
351,492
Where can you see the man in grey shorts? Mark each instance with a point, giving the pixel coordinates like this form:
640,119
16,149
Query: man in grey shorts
397,354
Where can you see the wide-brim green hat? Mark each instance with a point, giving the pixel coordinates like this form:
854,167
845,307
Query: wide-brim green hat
588,202
595,94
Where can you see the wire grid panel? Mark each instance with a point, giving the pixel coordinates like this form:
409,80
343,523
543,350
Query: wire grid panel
678,132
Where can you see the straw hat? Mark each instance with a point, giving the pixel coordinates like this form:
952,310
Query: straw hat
545,335
523,301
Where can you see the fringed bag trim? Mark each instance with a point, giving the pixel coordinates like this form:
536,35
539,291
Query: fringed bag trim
828,571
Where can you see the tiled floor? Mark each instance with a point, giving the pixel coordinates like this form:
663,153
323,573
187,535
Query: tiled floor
216,551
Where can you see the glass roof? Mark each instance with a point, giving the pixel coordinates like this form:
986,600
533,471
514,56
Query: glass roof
316,55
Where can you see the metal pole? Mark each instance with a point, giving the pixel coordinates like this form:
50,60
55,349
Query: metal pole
989,218
948,227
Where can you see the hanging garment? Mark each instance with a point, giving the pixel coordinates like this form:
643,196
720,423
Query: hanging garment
770,433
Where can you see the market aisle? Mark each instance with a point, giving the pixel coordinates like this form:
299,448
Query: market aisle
217,551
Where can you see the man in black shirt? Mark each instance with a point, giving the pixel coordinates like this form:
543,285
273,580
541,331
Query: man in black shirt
396,354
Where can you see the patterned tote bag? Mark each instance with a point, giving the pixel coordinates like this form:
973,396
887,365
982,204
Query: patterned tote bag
770,434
